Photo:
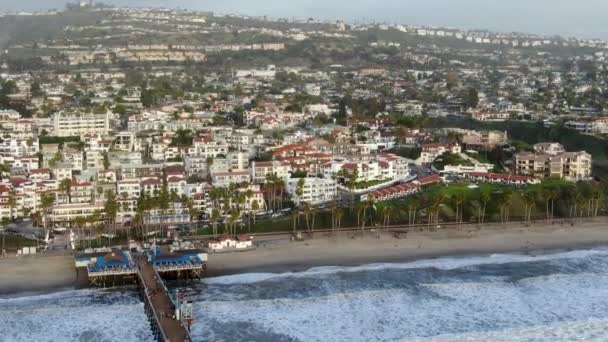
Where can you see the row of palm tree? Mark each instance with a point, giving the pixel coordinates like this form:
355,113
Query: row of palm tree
582,199
231,203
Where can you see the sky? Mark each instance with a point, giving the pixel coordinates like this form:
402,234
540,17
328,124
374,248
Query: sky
578,18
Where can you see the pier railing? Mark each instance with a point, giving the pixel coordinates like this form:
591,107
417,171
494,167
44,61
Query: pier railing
148,304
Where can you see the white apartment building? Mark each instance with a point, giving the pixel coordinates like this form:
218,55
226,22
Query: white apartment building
430,152
259,170
315,190
227,178
551,149
64,214
206,147
571,166
79,124
129,189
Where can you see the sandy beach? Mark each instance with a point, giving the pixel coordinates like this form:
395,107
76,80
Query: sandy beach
38,273
278,254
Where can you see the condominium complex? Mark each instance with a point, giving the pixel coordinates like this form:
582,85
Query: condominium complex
78,124
314,191
546,163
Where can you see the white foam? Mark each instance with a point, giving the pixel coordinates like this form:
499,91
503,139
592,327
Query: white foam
483,309
588,331
439,263
83,315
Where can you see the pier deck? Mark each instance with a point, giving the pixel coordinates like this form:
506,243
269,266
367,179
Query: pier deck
161,305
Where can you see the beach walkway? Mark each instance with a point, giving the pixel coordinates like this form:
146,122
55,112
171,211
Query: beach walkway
159,305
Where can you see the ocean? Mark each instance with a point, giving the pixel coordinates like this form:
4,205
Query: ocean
554,296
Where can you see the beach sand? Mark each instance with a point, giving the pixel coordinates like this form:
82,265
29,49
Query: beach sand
279,255
40,273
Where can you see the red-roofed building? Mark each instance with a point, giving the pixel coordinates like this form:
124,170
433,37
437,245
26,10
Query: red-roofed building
501,178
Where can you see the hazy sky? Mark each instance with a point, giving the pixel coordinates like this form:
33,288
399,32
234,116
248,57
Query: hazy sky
581,18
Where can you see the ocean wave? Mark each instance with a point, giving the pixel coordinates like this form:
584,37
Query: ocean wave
479,304
77,315
582,331
438,263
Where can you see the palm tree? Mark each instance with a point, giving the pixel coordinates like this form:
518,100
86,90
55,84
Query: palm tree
80,222
255,207
505,205
485,195
529,199
438,201
332,210
307,212
214,219
12,202
235,214
412,205
46,202
458,198
360,207
382,209
111,208
339,216
65,186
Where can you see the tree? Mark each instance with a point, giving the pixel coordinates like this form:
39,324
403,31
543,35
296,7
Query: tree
412,204
472,98
529,199
339,216
451,80
12,202
214,219
300,189
5,169
459,197
485,195
505,205
111,208
65,186
106,161
46,202
255,207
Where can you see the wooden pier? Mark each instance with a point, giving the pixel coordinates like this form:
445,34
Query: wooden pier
170,317
159,306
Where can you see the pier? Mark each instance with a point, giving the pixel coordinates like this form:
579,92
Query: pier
169,314
160,309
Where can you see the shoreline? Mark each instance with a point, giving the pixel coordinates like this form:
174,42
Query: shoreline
468,241
277,254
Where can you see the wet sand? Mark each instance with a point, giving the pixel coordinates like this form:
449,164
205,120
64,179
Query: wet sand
40,273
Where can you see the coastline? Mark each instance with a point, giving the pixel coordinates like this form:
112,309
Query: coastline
39,274
278,254
282,256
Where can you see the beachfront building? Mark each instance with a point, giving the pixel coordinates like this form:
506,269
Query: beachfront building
571,166
314,190
65,214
